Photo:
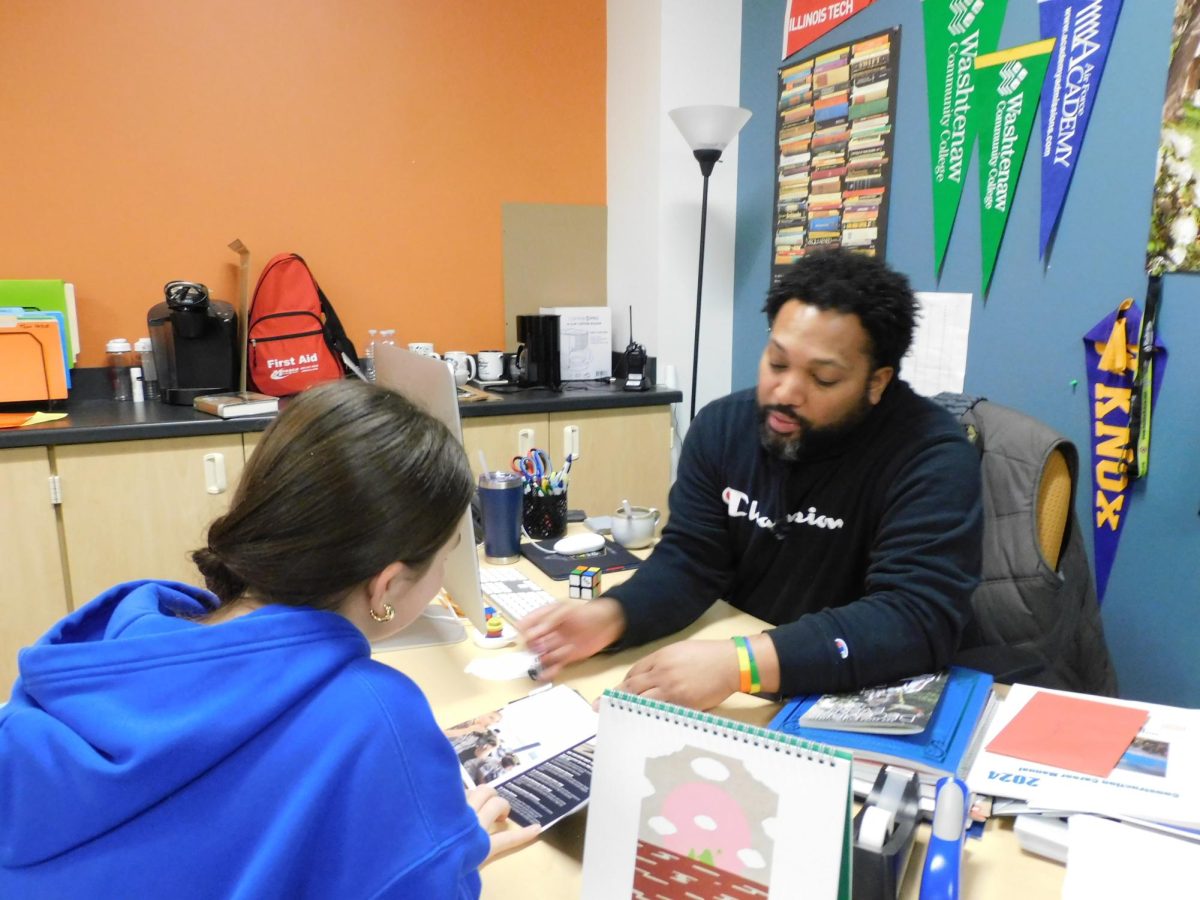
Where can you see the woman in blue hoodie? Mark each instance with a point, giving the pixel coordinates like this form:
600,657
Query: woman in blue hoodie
240,742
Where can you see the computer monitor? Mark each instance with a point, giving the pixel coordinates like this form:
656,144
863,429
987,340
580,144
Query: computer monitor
429,384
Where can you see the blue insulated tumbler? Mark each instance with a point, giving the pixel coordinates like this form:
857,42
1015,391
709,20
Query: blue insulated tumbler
500,496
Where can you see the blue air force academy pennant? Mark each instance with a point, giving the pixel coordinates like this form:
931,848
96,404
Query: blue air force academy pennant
1112,355
1083,30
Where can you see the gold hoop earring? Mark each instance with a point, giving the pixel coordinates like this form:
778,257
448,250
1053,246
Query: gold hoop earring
388,613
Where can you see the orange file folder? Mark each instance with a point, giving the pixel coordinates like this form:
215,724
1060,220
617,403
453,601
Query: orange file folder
31,361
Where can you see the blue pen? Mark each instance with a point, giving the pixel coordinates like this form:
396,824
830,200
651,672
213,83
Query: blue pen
942,876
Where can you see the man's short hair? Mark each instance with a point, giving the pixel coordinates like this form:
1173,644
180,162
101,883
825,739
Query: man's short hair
850,282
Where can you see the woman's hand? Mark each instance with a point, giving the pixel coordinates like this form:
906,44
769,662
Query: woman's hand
564,633
492,810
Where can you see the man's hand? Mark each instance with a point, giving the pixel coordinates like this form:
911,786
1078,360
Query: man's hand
492,810
697,674
564,633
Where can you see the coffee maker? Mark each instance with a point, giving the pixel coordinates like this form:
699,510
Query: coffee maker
195,342
538,352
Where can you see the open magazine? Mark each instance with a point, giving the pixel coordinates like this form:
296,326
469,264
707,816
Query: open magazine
536,752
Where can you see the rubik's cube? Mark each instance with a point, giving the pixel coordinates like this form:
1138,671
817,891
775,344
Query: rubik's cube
584,582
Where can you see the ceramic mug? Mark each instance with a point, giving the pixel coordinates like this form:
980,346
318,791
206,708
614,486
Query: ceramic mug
424,348
491,365
637,530
463,365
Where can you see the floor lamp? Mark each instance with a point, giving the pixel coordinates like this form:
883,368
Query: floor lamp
708,131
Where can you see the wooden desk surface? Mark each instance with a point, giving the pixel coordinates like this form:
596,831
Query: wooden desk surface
994,867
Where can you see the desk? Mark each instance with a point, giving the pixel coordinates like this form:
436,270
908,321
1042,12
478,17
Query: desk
995,868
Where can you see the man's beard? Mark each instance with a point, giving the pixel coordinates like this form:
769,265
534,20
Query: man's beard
809,439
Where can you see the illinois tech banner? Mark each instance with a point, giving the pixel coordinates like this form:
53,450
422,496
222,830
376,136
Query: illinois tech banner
807,20
1111,351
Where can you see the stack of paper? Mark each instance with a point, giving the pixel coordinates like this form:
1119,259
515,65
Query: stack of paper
1113,859
1055,751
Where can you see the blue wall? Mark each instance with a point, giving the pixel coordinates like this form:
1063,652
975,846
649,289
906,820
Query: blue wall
1025,345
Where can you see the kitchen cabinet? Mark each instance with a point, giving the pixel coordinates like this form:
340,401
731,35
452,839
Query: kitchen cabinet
33,594
623,453
500,438
136,509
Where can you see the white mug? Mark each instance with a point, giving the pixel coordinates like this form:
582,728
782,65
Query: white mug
636,530
463,365
491,364
424,348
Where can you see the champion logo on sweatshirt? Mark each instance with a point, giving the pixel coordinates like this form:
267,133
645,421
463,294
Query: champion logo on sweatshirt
740,505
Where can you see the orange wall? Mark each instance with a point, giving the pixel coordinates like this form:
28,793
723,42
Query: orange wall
377,138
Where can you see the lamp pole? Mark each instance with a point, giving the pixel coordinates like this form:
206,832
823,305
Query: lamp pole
707,159
707,129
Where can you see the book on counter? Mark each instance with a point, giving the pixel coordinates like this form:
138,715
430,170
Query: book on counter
535,751
903,707
236,404
946,746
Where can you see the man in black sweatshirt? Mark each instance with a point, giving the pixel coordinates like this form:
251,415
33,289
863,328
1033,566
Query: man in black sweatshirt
831,501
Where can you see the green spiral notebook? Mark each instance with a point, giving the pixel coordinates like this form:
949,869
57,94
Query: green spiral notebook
712,807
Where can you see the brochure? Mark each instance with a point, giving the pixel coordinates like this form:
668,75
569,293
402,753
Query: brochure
536,752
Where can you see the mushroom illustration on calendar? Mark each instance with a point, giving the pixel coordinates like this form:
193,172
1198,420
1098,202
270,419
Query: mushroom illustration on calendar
704,828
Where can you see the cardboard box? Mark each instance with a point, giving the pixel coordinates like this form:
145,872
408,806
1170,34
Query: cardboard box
584,340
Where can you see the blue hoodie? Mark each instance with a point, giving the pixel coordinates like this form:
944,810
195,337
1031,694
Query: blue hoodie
143,754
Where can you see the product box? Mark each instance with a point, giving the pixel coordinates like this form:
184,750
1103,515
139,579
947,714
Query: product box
585,341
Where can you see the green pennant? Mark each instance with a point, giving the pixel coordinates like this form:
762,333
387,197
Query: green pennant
1009,84
956,32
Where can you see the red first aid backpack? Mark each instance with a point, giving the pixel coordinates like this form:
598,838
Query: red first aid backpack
295,337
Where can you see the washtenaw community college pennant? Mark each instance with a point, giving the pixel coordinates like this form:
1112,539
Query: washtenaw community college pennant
1084,31
1111,352
1009,83
807,20
955,33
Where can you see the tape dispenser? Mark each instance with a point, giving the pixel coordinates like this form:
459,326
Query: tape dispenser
883,834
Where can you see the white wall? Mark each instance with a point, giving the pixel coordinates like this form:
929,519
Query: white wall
663,54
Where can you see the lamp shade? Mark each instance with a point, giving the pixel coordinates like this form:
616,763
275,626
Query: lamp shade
709,127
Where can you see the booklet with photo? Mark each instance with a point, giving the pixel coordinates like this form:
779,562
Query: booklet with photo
903,707
1156,779
536,752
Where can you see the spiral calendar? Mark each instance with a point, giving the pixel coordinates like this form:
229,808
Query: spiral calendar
687,804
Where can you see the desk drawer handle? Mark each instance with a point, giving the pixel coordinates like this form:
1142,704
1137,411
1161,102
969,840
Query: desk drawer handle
214,473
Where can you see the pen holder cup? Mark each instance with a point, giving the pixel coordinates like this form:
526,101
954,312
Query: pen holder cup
544,515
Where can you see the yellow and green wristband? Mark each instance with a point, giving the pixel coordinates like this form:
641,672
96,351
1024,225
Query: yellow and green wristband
747,667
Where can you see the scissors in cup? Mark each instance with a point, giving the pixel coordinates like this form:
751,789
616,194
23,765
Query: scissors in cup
534,466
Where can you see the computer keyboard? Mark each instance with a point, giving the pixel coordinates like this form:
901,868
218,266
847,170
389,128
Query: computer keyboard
514,595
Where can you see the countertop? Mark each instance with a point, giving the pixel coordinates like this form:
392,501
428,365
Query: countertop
96,420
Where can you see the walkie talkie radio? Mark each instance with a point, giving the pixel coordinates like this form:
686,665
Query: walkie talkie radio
635,362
